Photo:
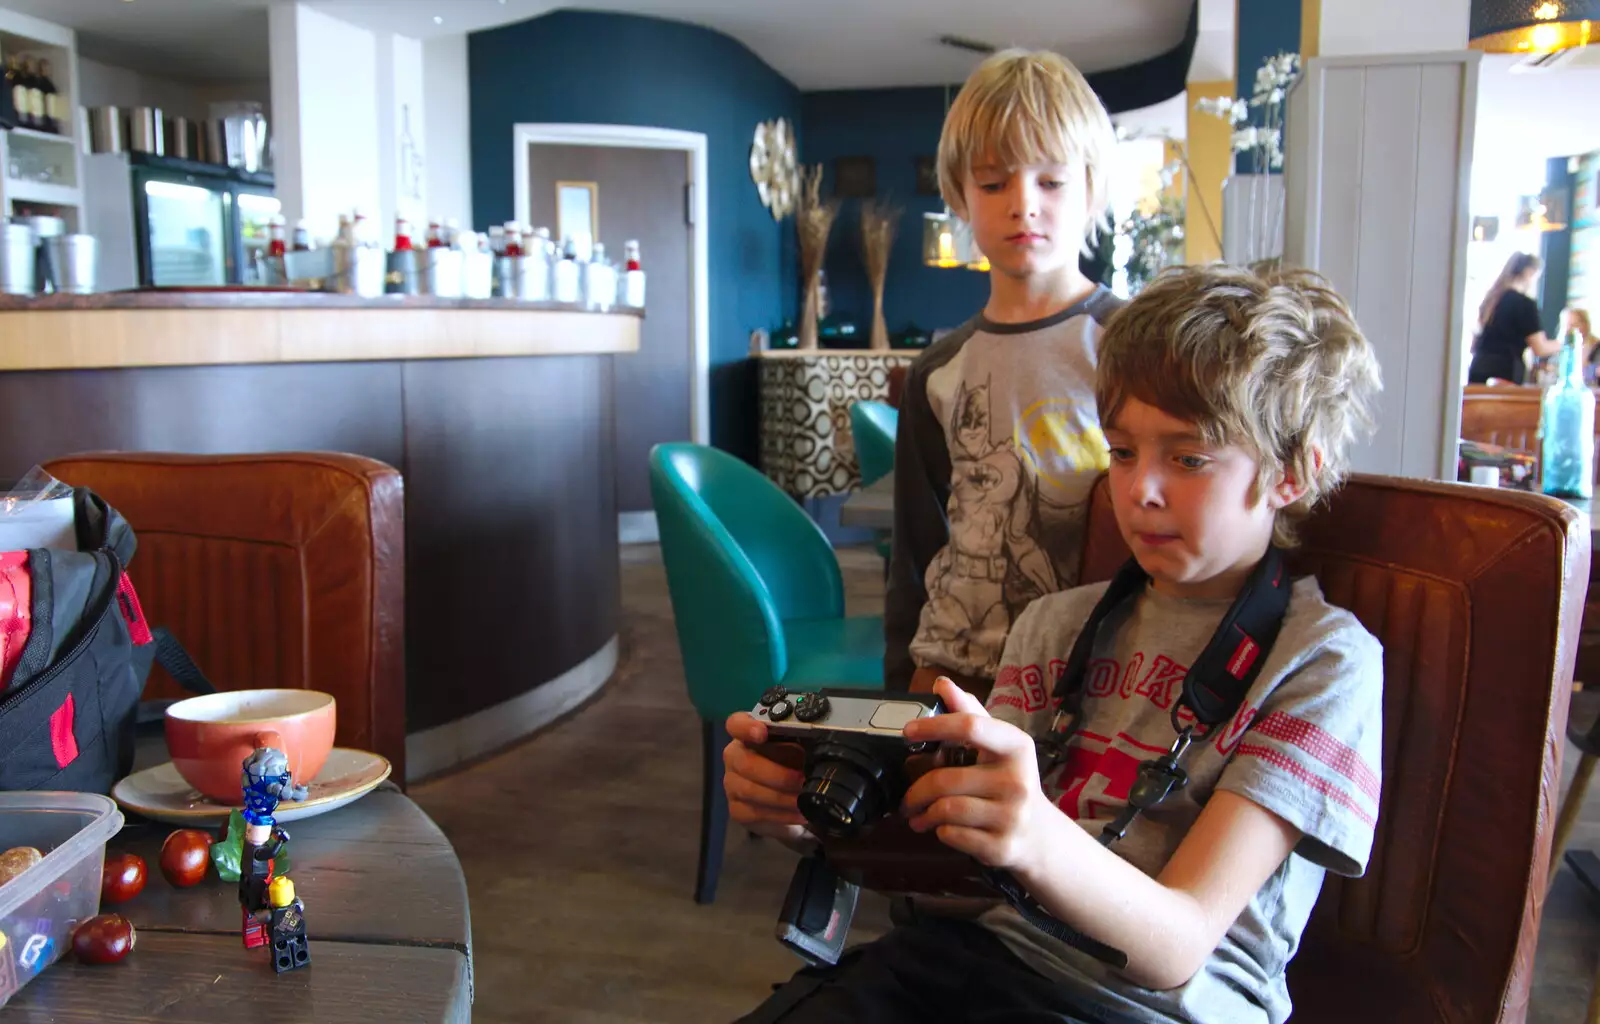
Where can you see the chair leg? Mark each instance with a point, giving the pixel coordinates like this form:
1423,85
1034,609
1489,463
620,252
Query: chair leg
713,811
1571,807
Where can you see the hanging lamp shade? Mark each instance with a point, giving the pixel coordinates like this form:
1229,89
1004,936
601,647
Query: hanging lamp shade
1533,26
939,241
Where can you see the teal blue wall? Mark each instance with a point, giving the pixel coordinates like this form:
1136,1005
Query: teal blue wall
1266,28
590,67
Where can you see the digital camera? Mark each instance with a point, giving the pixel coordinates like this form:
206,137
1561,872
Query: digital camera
854,748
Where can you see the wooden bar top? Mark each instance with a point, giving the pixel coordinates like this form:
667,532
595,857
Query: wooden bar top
220,327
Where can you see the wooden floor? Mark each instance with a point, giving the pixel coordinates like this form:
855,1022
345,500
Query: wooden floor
579,847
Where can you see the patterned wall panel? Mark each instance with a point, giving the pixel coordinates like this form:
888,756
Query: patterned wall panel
806,446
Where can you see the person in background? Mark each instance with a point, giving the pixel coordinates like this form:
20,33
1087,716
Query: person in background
1508,324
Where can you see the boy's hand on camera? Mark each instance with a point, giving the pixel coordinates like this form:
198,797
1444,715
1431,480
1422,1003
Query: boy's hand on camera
761,792
996,810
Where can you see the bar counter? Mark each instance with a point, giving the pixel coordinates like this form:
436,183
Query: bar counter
498,413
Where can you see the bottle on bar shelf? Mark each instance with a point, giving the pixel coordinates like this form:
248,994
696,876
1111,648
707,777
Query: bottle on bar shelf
568,279
276,244
450,237
52,110
302,236
497,240
513,235
632,276
24,93
402,235
19,95
435,237
599,279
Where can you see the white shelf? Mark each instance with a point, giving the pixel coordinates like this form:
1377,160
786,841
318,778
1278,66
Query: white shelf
41,192
31,133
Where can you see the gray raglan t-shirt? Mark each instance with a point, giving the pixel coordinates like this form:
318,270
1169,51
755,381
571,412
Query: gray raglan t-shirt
1306,745
998,447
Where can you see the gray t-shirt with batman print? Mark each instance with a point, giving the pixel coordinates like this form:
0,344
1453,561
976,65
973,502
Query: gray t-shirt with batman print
998,447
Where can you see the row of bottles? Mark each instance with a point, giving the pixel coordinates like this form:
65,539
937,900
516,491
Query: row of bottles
38,103
1566,428
530,265
508,261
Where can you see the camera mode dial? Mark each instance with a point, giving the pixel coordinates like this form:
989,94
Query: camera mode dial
811,707
773,694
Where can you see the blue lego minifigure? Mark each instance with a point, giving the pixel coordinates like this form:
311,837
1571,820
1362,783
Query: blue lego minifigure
265,780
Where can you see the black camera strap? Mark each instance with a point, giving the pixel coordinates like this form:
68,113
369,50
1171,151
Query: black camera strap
1213,690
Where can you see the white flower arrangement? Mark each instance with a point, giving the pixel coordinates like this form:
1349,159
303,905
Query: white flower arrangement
1263,140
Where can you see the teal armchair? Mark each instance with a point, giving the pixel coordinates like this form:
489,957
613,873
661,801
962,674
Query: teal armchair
758,600
873,426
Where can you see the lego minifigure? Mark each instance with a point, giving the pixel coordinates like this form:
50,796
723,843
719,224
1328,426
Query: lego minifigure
289,947
265,780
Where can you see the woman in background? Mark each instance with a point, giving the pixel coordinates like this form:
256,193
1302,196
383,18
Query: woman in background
1508,324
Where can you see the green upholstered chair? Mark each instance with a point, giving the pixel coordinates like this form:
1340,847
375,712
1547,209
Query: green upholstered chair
758,600
873,426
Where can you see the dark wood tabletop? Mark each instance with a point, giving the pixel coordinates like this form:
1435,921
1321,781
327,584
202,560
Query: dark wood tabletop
386,918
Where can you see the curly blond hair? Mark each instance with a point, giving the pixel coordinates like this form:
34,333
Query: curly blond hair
1272,361
1027,107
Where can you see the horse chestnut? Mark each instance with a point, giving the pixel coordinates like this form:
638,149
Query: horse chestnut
104,939
123,877
184,857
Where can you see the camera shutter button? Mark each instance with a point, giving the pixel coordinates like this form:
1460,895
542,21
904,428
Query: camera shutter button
811,707
780,710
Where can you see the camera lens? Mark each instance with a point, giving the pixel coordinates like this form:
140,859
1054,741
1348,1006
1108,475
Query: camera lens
850,783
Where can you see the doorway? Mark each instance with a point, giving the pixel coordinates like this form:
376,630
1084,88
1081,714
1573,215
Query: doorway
643,184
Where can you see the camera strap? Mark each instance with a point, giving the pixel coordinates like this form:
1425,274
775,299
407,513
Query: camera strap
1213,691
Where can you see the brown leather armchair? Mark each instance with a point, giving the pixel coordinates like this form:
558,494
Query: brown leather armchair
1476,595
274,570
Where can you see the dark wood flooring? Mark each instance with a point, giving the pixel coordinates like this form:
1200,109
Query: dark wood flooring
579,848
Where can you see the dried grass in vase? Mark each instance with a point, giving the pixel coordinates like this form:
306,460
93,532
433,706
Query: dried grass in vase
878,224
813,220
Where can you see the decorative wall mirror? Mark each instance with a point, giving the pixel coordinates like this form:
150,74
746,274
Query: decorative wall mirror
578,213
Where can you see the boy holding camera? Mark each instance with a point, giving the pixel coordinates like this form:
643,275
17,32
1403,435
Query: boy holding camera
998,442
1230,400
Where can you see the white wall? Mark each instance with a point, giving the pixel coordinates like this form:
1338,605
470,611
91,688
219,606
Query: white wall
448,143
108,85
325,94
1392,26
402,140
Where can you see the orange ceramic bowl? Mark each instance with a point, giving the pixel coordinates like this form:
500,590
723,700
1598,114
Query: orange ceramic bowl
210,736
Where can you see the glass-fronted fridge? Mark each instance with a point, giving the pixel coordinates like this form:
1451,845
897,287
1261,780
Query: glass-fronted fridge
199,224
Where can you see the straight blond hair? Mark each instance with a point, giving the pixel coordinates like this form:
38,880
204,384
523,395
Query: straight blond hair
1023,108
1271,361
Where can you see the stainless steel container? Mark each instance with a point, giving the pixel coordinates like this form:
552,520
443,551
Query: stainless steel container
147,131
180,138
71,263
507,276
19,262
105,130
358,270
406,271
444,276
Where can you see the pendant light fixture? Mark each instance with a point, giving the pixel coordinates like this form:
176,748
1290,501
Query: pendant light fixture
947,239
1533,26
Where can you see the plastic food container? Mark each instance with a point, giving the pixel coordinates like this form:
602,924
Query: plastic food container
40,907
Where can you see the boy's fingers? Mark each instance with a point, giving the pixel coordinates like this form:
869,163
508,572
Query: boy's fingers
742,725
746,814
954,782
964,811
988,735
957,699
752,792
740,760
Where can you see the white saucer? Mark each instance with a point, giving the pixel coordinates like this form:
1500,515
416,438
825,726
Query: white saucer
162,794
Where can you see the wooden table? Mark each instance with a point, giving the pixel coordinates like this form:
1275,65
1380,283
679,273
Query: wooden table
386,916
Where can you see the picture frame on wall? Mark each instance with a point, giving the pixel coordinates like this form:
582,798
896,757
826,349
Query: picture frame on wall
927,176
855,177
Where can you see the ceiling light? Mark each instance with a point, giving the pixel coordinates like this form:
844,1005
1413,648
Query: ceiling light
437,20
1521,26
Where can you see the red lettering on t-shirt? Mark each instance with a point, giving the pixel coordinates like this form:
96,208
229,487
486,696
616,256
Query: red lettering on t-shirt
1096,783
1033,695
1130,674
1102,681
